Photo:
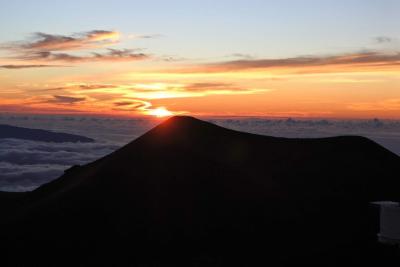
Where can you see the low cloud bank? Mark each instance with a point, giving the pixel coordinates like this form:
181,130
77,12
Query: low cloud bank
25,165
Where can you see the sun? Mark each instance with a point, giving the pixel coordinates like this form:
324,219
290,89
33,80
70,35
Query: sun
160,112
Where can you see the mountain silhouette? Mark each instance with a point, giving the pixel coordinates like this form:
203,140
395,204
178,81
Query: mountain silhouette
190,193
8,131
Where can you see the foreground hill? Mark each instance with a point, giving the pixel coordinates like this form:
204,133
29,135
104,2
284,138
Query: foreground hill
191,193
8,131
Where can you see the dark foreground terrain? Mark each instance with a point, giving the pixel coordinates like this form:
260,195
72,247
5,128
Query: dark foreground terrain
8,131
191,193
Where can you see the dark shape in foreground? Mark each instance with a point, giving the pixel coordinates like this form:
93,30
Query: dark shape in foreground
191,193
8,131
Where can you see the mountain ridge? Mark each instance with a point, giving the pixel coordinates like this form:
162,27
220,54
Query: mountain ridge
9,131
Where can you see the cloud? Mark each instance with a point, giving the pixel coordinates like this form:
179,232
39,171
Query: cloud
128,97
144,107
361,59
167,90
29,66
83,86
43,48
121,54
383,39
24,164
27,107
95,86
132,105
144,36
171,58
110,55
123,103
66,99
132,98
85,40
162,90
14,177
242,56
214,86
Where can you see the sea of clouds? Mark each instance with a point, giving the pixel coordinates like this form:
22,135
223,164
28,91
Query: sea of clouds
25,165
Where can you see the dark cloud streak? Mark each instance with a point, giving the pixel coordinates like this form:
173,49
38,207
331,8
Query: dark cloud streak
66,99
51,42
16,67
110,55
383,39
212,86
360,59
131,105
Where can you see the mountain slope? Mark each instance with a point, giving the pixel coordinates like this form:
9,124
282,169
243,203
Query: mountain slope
8,131
189,192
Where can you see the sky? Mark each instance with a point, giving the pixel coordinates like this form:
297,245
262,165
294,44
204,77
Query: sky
317,59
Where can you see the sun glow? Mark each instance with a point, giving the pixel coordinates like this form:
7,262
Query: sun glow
160,112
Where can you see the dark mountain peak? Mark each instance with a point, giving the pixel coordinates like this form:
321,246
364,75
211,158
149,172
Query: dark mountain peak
181,129
178,123
181,119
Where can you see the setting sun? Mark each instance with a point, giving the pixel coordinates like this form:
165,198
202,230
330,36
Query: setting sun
160,112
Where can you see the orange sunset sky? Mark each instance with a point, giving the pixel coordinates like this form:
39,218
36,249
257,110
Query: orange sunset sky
333,59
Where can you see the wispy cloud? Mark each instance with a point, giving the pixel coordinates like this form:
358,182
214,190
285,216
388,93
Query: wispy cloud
181,90
110,55
62,99
144,36
383,39
361,59
80,86
129,98
29,66
241,56
94,86
213,86
159,90
132,105
51,42
44,48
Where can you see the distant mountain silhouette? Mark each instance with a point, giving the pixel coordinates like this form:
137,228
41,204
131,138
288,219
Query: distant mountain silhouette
191,193
8,131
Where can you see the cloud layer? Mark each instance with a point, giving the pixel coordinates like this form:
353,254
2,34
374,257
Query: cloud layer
24,165
130,98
